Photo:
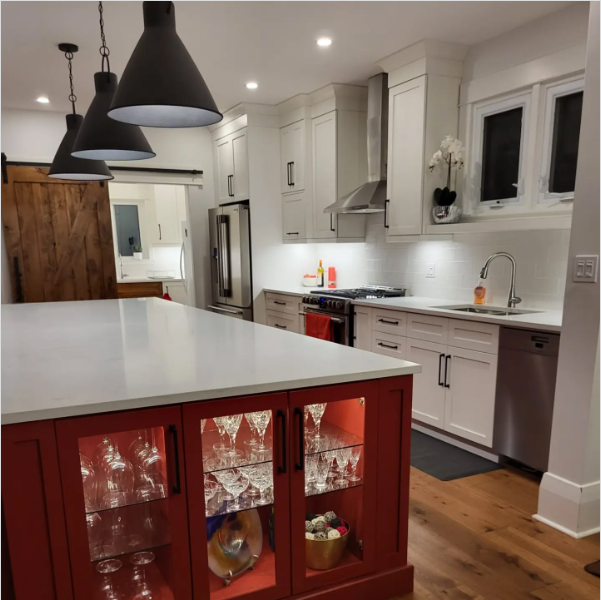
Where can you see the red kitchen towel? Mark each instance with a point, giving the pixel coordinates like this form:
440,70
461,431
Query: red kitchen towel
318,326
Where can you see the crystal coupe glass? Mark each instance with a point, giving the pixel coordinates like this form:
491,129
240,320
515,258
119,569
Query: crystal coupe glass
235,482
321,473
108,590
211,488
143,590
317,411
262,478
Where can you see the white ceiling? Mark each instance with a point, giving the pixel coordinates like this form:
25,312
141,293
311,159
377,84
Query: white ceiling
272,43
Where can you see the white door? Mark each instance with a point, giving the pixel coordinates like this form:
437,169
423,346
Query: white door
166,207
428,386
293,217
406,127
225,168
240,186
362,327
292,144
325,174
470,395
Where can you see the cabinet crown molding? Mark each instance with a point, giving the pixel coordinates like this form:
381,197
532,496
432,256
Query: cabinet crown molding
423,49
256,114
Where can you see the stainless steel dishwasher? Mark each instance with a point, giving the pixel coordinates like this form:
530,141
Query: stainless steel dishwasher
525,394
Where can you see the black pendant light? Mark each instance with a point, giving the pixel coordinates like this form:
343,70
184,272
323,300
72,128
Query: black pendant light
161,86
101,137
65,166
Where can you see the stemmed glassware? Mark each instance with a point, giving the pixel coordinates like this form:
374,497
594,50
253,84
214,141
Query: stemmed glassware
104,451
232,425
321,473
253,430
235,482
355,456
221,445
88,478
143,590
317,411
261,420
343,456
151,468
95,535
119,480
310,467
108,591
211,488
262,478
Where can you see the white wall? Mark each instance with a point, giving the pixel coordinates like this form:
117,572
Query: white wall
34,136
569,493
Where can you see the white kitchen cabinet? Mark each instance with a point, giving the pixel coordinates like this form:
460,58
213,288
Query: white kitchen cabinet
284,322
389,321
362,325
428,386
231,156
388,344
406,131
294,213
428,328
470,394
170,211
339,166
292,160
176,291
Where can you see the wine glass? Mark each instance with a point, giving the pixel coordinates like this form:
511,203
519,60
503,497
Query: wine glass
143,589
253,430
88,479
355,456
251,491
306,413
152,467
262,478
317,411
211,488
119,480
108,590
310,467
343,456
104,451
261,420
95,535
321,473
235,482
223,493
232,425
221,445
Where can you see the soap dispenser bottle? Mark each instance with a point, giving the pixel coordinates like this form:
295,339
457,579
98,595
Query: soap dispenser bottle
479,293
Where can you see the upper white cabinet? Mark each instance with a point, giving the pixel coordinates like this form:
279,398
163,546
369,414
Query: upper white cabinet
170,211
325,175
231,157
406,128
292,161
294,213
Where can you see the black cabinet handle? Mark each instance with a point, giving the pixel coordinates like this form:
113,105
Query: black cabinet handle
280,326
441,383
160,233
388,322
291,173
388,346
292,233
446,370
300,465
332,228
279,302
386,203
288,174
177,488
230,185
282,416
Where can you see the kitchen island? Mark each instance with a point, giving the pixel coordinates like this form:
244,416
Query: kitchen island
151,444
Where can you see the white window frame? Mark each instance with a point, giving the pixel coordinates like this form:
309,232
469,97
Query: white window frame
553,92
480,112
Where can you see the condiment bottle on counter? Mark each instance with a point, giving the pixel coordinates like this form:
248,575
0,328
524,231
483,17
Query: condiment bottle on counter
332,278
320,275
479,292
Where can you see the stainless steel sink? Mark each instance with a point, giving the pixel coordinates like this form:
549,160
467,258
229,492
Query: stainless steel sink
498,311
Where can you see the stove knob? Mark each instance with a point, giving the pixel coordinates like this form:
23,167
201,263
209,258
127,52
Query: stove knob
338,305
306,299
330,304
314,300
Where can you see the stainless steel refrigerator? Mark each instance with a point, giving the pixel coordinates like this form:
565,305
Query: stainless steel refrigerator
231,281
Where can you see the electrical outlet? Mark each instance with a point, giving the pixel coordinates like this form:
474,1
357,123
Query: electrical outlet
431,270
586,267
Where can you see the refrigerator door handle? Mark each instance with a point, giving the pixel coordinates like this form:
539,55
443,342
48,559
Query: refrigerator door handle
219,257
181,266
225,254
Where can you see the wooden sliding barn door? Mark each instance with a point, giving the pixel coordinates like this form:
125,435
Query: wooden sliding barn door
58,235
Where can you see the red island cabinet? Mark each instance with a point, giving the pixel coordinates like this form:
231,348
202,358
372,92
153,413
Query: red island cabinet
300,494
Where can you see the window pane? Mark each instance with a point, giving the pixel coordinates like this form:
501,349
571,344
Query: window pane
501,155
566,133
128,228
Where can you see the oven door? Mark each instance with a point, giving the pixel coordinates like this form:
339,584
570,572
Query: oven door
340,326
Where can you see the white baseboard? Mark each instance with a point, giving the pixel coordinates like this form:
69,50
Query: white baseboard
439,435
569,507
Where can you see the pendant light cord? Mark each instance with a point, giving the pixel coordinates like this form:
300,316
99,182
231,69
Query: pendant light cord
72,96
104,49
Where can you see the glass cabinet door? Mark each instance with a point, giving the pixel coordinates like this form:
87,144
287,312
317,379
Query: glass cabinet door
237,465
333,484
125,498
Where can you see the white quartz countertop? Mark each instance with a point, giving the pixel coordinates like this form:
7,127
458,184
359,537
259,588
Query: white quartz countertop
62,359
543,320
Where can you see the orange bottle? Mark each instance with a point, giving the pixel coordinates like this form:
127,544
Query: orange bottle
479,293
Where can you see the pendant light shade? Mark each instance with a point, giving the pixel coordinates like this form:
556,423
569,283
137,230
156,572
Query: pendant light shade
66,166
161,85
103,138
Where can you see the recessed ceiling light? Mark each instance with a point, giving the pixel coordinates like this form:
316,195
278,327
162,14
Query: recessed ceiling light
43,100
252,85
324,42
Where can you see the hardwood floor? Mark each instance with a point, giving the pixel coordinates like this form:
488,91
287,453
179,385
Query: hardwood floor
474,538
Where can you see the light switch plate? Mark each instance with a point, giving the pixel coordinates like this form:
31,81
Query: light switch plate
586,268
430,270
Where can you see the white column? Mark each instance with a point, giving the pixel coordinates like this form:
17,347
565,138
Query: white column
569,493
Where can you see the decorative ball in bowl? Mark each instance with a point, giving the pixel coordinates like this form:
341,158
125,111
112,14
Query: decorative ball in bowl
324,548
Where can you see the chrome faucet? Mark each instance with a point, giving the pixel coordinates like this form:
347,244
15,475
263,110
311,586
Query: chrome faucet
513,299
121,266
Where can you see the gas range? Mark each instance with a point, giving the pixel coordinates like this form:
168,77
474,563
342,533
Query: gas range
340,301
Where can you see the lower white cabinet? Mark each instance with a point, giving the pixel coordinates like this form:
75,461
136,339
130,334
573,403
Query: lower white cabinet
471,380
362,325
176,291
388,344
428,386
283,321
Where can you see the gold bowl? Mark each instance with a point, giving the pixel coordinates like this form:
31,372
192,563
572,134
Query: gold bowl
322,555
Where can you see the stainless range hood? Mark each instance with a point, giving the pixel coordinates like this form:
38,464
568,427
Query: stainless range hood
371,196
